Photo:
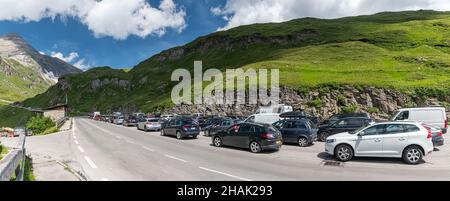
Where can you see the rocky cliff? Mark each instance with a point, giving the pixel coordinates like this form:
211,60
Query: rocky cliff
380,103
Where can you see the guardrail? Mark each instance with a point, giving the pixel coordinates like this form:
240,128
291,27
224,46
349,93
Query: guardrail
60,122
14,162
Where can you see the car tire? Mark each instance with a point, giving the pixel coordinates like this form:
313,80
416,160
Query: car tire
412,155
323,136
255,147
179,135
344,153
194,137
145,129
302,142
217,142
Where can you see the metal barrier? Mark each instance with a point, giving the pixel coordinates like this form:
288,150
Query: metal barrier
60,122
14,162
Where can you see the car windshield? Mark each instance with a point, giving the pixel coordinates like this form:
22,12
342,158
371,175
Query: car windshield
358,130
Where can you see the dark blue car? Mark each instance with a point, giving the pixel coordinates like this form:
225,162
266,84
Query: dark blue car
299,131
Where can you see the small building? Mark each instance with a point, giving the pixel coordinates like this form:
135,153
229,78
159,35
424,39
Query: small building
56,112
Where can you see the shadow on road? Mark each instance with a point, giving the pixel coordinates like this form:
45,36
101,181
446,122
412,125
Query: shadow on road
398,161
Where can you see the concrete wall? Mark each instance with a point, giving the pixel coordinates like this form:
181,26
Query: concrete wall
56,113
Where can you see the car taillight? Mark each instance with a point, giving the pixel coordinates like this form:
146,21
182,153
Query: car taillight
445,124
186,126
267,136
430,135
440,134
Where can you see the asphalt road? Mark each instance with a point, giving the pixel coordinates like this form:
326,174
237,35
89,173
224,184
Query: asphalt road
107,152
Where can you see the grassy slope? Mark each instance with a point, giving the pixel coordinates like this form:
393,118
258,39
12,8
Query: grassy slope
13,117
15,88
404,50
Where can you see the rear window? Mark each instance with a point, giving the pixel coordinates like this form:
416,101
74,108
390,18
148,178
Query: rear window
153,120
411,128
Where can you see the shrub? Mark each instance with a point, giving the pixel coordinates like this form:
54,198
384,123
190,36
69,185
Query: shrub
341,100
349,108
317,103
373,110
40,124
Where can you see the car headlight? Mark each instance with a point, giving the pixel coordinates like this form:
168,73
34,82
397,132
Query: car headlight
331,141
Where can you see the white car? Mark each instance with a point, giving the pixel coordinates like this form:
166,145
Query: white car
264,118
149,124
408,140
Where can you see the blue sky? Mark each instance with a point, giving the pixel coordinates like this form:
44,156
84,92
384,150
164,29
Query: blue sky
122,33
66,36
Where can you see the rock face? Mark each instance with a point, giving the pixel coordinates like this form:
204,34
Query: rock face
380,103
14,47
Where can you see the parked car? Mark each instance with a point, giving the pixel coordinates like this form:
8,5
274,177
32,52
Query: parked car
300,131
438,138
118,120
342,125
253,136
408,140
432,116
130,121
209,122
299,115
181,127
221,125
19,131
149,124
264,118
337,117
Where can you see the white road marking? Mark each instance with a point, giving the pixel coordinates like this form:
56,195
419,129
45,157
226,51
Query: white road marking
81,149
76,142
226,174
148,149
104,179
130,141
90,162
175,158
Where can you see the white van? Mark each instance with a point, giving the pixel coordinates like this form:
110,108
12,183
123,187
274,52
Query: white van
265,118
432,116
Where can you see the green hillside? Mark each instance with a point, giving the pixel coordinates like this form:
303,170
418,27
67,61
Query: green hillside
408,51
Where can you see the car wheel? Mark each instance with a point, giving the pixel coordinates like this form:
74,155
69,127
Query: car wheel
217,142
323,136
255,147
195,137
302,142
343,153
412,155
179,135
145,129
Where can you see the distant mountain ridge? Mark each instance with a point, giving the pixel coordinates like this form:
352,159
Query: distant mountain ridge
25,72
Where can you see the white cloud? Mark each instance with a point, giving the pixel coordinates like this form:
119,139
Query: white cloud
67,59
115,18
81,64
238,12
72,58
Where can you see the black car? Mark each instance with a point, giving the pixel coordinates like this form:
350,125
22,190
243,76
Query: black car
341,126
220,125
300,131
337,117
256,137
181,127
130,121
209,122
